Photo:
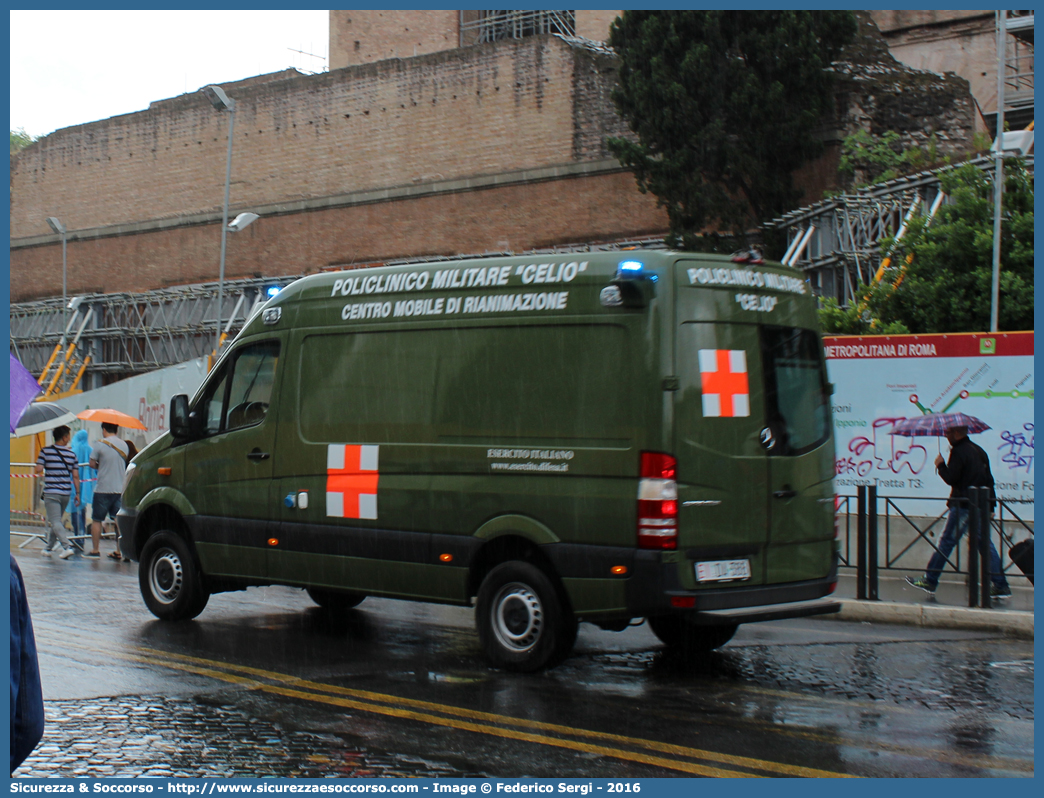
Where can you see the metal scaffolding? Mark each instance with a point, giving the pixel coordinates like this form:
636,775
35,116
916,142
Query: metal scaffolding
1018,72
112,336
477,27
844,233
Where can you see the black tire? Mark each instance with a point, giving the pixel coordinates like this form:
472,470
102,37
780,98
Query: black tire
522,623
677,633
334,599
170,579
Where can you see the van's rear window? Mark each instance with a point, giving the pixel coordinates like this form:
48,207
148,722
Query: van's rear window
524,384
797,402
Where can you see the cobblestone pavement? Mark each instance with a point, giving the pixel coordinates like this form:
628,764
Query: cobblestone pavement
158,737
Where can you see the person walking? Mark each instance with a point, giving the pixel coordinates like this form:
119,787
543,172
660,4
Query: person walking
109,456
969,466
58,465
27,709
77,506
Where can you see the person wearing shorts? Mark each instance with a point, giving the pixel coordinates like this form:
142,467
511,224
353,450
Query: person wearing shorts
109,456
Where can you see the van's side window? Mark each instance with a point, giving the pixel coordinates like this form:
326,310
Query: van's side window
214,403
240,396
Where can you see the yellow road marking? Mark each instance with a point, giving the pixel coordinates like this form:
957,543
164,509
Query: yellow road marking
793,770
487,717
253,684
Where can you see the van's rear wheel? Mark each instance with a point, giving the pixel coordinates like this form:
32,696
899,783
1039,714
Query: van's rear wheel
335,600
678,633
521,621
170,579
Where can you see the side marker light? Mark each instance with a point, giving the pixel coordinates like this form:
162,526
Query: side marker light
618,570
446,557
163,471
273,541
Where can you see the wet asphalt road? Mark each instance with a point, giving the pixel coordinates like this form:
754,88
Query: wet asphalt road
265,683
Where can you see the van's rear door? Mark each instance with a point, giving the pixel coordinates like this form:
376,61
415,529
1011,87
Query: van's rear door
722,464
751,428
801,454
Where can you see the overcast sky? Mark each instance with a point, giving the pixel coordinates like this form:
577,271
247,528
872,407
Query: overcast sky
72,67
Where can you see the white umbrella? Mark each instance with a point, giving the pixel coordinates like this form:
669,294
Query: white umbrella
40,417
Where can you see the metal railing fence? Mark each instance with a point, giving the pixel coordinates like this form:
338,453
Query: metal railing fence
877,534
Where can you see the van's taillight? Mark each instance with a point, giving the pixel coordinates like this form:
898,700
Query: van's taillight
657,502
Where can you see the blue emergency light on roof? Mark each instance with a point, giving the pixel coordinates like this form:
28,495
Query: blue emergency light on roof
632,286
633,270
272,290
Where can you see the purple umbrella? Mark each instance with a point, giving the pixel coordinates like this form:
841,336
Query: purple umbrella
936,424
23,388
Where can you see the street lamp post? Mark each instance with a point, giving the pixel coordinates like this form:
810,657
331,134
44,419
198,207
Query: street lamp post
222,102
243,220
998,171
59,228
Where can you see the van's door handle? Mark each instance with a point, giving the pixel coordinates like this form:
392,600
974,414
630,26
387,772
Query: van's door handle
785,494
257,454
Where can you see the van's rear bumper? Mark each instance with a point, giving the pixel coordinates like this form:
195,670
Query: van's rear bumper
653,590
767,612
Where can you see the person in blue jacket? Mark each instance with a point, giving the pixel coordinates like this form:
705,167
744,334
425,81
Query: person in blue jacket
27,710
82,449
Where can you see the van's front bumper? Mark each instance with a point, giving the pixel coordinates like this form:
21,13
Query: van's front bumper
126,518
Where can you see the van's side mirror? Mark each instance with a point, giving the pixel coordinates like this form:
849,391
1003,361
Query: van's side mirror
180,423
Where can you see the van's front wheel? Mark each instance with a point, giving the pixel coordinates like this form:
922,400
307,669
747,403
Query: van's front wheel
688,638
169,578
522,624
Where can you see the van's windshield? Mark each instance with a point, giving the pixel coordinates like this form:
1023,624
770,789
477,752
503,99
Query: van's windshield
797,402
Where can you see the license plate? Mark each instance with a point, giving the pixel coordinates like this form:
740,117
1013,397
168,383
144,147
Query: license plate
722,570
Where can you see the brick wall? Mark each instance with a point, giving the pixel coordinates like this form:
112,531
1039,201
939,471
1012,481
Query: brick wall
595,24
361,37
529,214
141,193
964,42
482,110
893,21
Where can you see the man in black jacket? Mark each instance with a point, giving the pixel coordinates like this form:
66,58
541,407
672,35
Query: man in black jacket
969,466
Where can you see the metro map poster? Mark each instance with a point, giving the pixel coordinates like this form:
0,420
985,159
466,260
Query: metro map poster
881,380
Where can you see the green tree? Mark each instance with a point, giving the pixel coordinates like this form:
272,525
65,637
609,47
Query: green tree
20,140
946,285
724,105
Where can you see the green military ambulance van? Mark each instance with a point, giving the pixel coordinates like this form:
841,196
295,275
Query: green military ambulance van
598,437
